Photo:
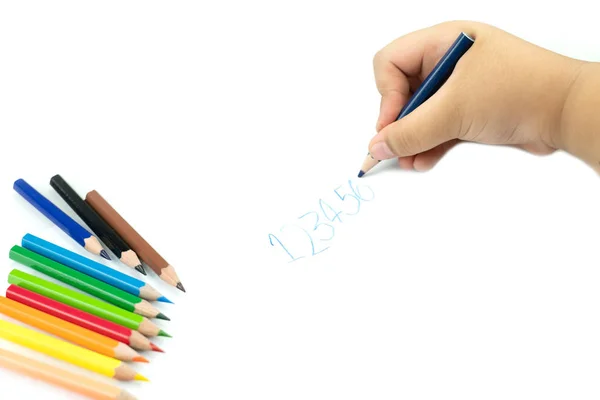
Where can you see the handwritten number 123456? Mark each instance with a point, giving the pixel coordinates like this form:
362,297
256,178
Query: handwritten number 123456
314,230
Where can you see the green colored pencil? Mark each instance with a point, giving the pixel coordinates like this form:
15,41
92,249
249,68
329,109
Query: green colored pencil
85,303
86,283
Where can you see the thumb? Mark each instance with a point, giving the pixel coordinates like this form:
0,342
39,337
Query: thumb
436,121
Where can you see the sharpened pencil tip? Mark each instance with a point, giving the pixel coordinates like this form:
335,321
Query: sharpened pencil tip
140,269
139,377
163,333
104,254
180,287
162,316
361,173
156,348
140,359
163,299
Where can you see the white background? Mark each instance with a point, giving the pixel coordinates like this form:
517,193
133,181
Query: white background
209,125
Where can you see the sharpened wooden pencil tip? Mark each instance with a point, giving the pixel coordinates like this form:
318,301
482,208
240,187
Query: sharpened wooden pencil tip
140,359
163,333
139,377
105,255
162,316
180,287
140,269
156,348
163,299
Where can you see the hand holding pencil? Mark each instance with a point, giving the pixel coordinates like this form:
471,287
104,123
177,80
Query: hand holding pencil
503,91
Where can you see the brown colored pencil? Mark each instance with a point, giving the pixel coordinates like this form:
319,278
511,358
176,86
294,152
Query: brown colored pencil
60,377
142,248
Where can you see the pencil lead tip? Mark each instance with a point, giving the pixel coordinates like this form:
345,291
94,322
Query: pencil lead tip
361,173
140,359
156,348
180,287
163,299
104,254
163,333
139,377
162,316
140,269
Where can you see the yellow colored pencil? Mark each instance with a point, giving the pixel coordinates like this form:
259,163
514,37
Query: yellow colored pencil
68,352
60,377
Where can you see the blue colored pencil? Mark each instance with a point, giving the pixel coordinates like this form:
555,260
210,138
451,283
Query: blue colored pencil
432,83
68,225
92,268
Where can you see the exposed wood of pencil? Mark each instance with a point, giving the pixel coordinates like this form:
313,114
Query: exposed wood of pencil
146,309
148,328
142,248
149,293
60,377
92,244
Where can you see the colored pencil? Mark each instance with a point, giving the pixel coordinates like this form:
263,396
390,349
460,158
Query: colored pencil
68,352
68,331
60,377
86,283
432,83
92,268
67,224
81,318
85,303
143,249
104,232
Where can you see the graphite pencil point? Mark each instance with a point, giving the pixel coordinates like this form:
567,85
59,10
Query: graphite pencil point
140,359
104,254
162,316
156,348
140,269
163,299
361,173
163,333
180,287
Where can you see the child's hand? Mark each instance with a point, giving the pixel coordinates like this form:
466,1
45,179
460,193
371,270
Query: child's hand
504,90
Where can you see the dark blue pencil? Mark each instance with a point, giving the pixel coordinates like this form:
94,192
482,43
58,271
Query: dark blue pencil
68,225
434,81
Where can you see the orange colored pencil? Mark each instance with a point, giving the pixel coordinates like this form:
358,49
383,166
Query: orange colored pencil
68,331
62,378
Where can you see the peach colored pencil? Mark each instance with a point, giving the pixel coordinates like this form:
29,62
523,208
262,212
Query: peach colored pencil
62,378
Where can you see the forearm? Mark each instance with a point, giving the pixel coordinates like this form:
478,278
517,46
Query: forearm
580,120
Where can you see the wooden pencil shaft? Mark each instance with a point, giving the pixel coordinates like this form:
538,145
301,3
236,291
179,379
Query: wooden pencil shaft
67,224
89,267
78,317
74,278
142,248
104,232
60,349
75,299
60,377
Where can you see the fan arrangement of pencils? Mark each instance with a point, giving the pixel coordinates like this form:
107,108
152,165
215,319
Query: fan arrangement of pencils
104,324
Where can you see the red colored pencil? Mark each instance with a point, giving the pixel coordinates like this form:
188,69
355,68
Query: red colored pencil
81,318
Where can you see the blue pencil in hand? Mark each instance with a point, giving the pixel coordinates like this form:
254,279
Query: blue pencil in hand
77,232
92,268
432,83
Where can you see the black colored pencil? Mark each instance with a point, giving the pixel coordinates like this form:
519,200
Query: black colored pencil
106,234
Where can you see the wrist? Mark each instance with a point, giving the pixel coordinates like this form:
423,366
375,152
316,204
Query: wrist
578,130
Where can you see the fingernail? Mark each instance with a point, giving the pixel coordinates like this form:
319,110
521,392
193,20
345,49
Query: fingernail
381,151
